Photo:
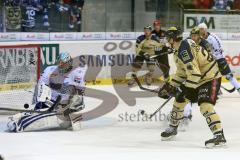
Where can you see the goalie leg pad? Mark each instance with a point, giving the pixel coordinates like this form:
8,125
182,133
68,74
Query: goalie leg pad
76,118
36,121
76,103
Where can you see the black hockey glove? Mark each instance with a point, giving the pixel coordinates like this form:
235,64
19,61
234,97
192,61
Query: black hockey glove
145,55
170,50
168,90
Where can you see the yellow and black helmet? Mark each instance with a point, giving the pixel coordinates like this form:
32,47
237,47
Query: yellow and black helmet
175,33
149,27
195,30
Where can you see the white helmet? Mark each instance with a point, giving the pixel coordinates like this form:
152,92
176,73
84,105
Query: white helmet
202,25
66,59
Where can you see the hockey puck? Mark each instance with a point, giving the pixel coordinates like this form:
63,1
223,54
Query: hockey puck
142,112
26,106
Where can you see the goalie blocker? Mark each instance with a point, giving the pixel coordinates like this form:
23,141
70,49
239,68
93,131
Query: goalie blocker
56,81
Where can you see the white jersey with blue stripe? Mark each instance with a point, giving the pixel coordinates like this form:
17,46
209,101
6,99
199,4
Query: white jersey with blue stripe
216,46
59,82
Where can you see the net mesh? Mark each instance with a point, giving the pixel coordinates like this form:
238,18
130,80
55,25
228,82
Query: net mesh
18,74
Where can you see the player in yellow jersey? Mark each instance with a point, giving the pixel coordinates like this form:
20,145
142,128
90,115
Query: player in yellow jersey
197,79
147,45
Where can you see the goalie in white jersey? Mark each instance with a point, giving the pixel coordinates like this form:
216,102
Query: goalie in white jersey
217,52
57,81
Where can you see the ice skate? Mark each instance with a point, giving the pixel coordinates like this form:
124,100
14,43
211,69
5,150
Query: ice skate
217,141
169,133
238,90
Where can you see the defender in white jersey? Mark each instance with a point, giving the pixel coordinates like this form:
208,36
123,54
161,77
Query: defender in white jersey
64,81
217,52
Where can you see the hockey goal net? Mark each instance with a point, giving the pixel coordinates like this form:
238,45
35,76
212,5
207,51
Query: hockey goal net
19,72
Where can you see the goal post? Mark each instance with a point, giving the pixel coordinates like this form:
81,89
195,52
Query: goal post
19,73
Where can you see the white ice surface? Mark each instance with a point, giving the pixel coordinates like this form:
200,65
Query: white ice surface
108,137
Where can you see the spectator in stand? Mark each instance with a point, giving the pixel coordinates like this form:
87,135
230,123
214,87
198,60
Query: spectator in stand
236,4
202,4
1,27
60,5
222,4
76,13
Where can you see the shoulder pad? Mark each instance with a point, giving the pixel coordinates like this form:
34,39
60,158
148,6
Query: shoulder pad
155,38
140,38
184,52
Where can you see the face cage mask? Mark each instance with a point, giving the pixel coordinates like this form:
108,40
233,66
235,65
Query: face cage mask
66,68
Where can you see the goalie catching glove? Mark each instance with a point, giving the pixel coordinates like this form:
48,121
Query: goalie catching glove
168,90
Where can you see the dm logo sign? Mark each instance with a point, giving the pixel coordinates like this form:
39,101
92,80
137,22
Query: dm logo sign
192,20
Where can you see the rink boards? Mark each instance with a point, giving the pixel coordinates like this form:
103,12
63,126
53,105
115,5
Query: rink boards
109,61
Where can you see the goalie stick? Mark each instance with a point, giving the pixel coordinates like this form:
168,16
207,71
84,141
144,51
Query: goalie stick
228,90
35,111
22,110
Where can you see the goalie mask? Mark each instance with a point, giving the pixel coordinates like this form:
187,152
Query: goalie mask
64,62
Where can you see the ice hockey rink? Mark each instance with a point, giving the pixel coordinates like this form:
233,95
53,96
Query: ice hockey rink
113,136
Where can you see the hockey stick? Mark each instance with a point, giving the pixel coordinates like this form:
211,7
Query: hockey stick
50,110
228,90
140,85
142,112
23,110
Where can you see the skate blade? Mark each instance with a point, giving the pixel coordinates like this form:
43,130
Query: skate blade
167,138
212,145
